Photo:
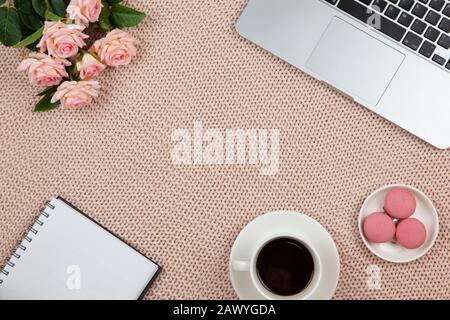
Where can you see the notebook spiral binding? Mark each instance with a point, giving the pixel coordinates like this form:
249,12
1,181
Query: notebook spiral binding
28,238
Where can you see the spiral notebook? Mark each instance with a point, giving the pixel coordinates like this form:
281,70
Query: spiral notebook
68,256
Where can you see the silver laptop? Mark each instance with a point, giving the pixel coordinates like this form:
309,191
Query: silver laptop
391,56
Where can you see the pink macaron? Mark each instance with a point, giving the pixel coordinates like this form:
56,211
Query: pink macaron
379,228
411,233
400,203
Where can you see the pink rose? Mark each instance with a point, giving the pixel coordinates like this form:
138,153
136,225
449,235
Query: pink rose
44,70
89,67
76,94
116,49
84,11
62,40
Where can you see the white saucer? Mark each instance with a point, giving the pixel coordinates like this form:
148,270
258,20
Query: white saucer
425,212
296,224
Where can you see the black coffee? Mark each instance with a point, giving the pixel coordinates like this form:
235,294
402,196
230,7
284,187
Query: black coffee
285,266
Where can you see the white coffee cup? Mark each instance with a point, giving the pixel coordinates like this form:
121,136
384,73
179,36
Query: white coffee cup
249,265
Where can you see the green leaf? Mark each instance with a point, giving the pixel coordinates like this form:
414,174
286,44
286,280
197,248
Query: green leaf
48,90
124,17
59,7
30,39
105,25
10,26
112,2
51,16
104,21
27,14
39,6
106,11
45,103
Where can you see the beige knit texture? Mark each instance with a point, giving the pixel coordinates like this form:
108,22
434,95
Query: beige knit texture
113,159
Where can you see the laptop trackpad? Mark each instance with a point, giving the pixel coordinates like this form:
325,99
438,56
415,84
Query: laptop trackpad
354,62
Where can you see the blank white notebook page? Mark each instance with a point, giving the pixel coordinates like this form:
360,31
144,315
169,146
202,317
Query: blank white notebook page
66,255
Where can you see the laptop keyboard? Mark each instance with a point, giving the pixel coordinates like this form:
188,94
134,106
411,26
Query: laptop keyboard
421,25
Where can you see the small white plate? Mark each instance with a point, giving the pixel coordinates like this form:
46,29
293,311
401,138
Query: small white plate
391,251
296,224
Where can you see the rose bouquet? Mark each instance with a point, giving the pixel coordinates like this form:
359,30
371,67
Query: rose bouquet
56,31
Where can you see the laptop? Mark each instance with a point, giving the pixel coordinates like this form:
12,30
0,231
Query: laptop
391,56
